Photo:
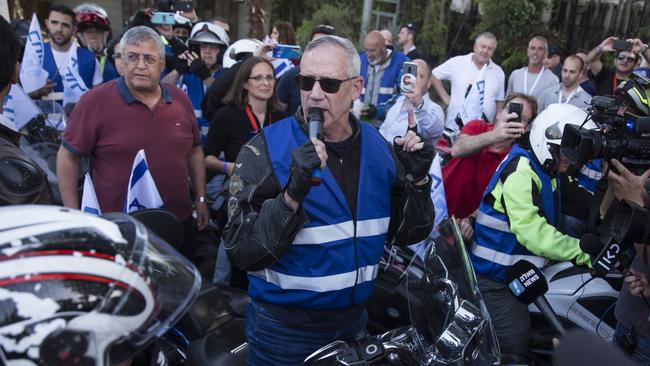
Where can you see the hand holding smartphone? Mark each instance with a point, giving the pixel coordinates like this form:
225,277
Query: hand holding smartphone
409,70
517,108
621,45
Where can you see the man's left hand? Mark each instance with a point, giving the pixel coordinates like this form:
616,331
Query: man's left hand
627,185
412,92
415,153
202,215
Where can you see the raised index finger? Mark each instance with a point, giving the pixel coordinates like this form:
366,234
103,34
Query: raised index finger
411,121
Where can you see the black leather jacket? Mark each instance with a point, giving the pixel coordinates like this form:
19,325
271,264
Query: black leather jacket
21,179
261,226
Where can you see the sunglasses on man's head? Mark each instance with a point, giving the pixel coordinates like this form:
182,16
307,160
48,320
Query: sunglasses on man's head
328,85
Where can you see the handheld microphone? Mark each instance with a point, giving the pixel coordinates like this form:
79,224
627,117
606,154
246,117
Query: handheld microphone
528,285
608,256
315,119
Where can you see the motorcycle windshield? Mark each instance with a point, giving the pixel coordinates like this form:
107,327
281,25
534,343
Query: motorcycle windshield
449,320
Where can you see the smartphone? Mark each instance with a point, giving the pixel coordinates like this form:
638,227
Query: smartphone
515,108
291,52
410,70
182,5
621,45
160,17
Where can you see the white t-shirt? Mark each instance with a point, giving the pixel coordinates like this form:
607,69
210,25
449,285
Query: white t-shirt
462,72
62,59
535,84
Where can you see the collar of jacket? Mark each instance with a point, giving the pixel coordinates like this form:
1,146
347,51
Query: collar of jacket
354,122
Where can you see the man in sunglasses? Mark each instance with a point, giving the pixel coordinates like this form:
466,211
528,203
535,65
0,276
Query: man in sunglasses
312,252
605,79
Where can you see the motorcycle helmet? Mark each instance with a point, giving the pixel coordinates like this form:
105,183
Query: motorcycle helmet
547,128
635,92
84,290
182,23
204,32
240,50
90,15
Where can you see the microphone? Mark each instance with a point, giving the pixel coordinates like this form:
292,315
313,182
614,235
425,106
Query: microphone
606,257
528,285
315,119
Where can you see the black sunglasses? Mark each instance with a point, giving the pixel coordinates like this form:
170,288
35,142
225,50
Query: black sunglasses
623,57
328,85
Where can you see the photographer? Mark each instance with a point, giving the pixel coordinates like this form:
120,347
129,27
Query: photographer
628,53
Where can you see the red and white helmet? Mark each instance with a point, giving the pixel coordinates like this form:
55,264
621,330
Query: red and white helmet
90,15
79,289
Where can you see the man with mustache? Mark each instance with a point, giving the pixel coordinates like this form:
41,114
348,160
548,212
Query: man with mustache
61,25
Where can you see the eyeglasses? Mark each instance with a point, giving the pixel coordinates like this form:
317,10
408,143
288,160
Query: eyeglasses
134,58
623,58
260,78
328,85
117,56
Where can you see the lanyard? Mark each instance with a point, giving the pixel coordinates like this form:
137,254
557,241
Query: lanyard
568,99
615,82
253,121
534,83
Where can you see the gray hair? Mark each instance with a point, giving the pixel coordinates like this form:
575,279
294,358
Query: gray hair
486,35
354,62
136,35
539,38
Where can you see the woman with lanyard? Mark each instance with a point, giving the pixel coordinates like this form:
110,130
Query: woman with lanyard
250,105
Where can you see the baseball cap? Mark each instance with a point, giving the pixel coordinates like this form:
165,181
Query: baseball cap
553,50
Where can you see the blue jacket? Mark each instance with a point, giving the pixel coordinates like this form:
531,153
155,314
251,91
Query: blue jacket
195,89
86,64
495,246
390,79
333,260
109,72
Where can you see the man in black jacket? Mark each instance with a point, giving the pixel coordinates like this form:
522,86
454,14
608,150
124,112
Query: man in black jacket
312,252
21,179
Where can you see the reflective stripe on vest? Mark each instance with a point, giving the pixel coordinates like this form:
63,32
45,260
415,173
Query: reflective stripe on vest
333,259
334,282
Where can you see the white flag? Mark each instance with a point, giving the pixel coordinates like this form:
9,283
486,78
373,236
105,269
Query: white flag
89,203
439,203
142,192
32,74
473,106
19,107
73,84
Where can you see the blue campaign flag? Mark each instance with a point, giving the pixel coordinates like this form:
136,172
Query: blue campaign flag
18,107
89,203
142,192
73,85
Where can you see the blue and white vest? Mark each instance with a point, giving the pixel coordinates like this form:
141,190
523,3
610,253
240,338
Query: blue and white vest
195,89
495,247
589,175
333,261
389,83
86,65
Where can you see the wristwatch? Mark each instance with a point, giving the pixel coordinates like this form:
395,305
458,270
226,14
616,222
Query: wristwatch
643,48
201,199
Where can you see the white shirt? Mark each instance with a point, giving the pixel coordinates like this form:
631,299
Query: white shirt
553,94
430,120
462,72
63,58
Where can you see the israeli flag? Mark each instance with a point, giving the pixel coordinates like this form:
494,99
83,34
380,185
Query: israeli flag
142,192
18,107
439,203
89,203
73,85
32,74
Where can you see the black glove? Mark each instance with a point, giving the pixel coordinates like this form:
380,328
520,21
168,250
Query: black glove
305,160
416,163
180,65
200,69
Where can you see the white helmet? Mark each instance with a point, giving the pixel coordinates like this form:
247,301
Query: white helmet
204,32
547,129
238,50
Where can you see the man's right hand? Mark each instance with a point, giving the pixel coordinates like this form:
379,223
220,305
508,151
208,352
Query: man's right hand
505,129
42,91
608,44
306,158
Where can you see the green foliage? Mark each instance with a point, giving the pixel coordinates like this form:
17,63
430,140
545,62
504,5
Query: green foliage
514,22
343,16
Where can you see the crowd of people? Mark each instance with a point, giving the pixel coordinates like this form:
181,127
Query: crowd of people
226,131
